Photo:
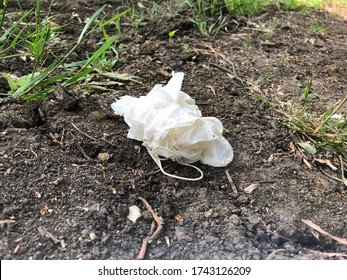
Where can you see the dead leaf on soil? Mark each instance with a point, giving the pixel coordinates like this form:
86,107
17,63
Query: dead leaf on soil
250,188
66,100
104,157
322,231
292,147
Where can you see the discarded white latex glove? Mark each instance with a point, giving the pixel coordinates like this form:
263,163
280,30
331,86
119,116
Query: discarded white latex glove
171,126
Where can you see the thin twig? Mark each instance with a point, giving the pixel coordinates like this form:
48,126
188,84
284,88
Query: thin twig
82,151
270,257
143,249
85,134
330,176
152,234
6,222
158,219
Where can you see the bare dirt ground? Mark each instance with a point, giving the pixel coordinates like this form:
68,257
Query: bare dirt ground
59,200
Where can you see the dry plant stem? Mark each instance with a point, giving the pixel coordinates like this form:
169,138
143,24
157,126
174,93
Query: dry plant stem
82,151
331,177
231,182
322,231
271,256
157,219
85,134
145,243
6,222
143,249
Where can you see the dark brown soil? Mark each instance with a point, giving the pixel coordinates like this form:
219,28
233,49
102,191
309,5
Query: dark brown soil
53,180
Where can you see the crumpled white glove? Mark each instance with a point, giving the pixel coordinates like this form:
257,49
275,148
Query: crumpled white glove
171,126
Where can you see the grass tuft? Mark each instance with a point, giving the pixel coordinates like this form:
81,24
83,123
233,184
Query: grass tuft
36,38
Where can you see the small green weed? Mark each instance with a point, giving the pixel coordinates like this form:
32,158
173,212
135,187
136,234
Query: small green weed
149,59
318,29
172,33
327,130
283,55
208,16
23,37
248,43
186,48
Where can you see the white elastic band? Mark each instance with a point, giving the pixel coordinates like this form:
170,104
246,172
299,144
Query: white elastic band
157,160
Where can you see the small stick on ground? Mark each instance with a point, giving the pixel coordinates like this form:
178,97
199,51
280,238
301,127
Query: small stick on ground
232,184
82,151
85,134
322,231
153,234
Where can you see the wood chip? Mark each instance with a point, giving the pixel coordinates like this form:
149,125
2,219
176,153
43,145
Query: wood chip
153,235
16,249
233,187
178,218
208,213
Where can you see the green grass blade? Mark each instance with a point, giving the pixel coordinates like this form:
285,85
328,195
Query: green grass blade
92,59
5,2
115,18
38,14
35,80
54,79
10,30
81,75
89,23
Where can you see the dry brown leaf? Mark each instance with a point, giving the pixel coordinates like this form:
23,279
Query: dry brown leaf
292,147
104,156
322,231
250,188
